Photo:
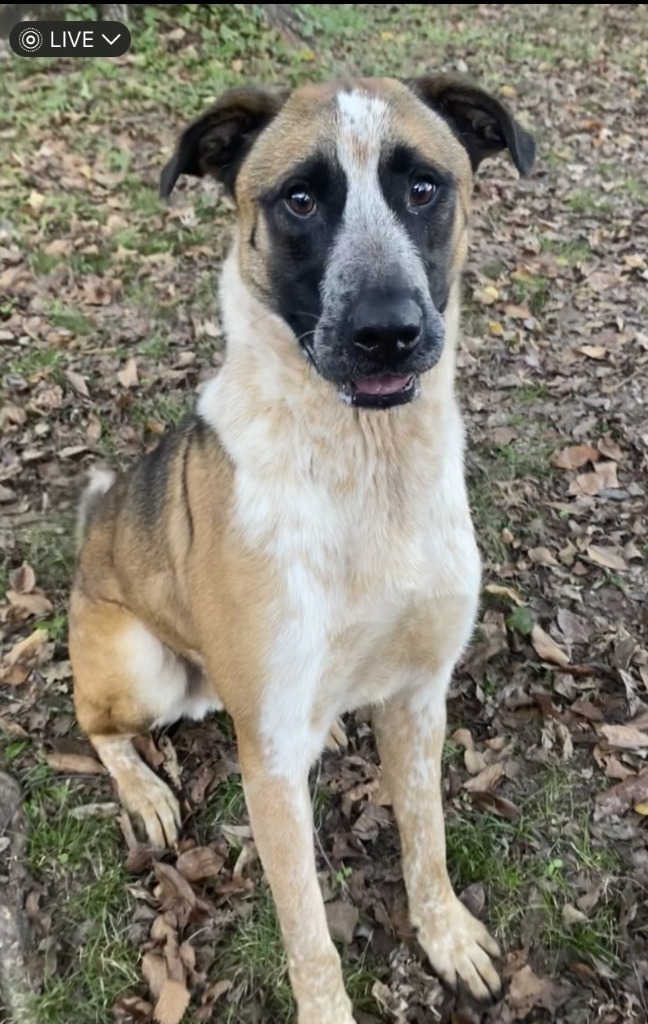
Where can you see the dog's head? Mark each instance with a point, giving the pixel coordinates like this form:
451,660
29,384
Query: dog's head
352,202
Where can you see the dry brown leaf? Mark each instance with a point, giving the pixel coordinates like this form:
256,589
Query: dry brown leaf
128,376
501,591
32,604
487,779
609,448
174,1000
593,351
528,991
26,650
620,798
199,864
11,728
518,312
542,556
23,579
571,915
547,648
602,478
14,675
474,761
574,456
574,628
624,737
174,886
78,383
496,804
463,738
154,971
74,764
609,558
342,920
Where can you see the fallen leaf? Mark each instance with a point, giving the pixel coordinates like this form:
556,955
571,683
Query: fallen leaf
78,383
26,650
474,761
603,477
487,779
32,604
609,558
624,737
521,621
496,804
199,864
572,916
574,628
528,991
547,648
172,1003
74,764
501,591
154,970
128,376
542,556
342,918
593,351
174,886
23,579
463,738
574,456
620,798
609,448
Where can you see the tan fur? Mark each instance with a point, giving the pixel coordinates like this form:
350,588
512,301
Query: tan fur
194,583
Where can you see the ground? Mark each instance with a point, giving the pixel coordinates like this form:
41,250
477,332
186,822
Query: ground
108,325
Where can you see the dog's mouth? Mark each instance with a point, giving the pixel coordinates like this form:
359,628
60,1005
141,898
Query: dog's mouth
383,392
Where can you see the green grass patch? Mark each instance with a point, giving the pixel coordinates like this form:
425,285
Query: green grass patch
89,903
530,866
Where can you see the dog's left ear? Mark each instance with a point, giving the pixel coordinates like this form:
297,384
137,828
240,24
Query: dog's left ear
218,142
482,124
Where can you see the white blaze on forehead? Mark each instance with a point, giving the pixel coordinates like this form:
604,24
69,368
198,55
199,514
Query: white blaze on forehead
362,121
372,239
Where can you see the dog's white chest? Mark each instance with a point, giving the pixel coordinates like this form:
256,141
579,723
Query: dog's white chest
350,577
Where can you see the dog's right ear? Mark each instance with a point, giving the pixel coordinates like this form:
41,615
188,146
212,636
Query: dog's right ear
218,142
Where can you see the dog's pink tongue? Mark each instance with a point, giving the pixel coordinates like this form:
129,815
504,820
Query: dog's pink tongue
380,385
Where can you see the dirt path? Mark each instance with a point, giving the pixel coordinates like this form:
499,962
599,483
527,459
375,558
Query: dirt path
108,326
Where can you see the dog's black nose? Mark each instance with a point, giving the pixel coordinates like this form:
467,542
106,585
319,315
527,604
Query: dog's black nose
387,329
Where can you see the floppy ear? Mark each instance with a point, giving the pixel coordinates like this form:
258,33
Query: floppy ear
218,142
481,123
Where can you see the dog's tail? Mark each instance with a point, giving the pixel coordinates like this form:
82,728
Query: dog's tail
101,480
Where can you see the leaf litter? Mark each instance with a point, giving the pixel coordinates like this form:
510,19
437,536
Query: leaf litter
105,338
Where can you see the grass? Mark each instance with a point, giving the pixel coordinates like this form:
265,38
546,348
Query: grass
528,867
252,954
80,862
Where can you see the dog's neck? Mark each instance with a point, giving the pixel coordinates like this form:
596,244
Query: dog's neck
270,407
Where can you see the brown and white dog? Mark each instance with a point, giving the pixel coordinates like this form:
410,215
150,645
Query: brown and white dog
303,545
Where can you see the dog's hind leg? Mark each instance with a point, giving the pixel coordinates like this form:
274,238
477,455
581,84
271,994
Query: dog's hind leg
125,682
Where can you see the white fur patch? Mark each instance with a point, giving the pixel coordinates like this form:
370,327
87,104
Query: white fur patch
371,239
161,680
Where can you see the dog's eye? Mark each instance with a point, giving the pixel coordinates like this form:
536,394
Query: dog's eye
422,192
300,202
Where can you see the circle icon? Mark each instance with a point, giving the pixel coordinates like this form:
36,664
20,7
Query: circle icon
30,39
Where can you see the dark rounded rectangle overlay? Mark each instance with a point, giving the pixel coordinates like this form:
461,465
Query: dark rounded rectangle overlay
70,39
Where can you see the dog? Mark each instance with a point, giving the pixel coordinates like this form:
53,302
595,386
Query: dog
303,545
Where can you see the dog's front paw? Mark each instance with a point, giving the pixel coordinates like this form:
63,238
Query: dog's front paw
148,798
459,948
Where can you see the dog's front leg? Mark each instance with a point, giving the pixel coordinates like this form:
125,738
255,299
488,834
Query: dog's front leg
410,731
282,823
